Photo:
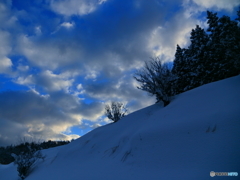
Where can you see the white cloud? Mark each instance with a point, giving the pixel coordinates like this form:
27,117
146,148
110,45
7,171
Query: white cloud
75,7
80,90
67,24
47,80
47,117
48,54
6,18
194,7
121,89
33,115
5,49
101,1
28,80
219,4
163,39
96,59
5,65
91,74
79,87
23,68
54,82
38,30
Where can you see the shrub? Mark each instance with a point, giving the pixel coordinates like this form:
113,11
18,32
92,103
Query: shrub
156,78
115,111
25,161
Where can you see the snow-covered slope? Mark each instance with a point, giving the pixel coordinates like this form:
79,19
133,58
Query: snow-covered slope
196,133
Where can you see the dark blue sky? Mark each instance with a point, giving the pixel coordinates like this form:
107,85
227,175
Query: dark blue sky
61,60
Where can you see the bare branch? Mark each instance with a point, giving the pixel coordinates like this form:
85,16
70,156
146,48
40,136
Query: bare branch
115,111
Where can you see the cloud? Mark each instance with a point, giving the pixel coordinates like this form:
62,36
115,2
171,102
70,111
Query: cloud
75,7
83,56
119,89
7,19
46,117
112,38
44,55
5,65
23,68
5,49
218,4
116,37
196,7
67,24
47,80
165,38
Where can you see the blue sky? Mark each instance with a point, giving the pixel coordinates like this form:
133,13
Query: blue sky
61,60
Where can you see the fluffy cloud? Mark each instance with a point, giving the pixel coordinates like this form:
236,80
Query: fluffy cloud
196,7
164,38
75,7
46,117
74,56
5,49
5,65
67,25
7,19
219,4
117,37
48,54
123,90
47,80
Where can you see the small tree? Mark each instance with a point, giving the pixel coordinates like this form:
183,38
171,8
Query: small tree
156,78
115,111
25,161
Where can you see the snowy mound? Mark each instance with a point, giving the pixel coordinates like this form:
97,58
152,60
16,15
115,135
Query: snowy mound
196,133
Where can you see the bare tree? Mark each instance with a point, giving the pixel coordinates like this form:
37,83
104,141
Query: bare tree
115,111
26,160
156,78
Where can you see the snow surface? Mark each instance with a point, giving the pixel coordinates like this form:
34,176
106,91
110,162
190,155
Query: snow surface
155,143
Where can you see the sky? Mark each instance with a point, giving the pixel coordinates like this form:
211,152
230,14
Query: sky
61,61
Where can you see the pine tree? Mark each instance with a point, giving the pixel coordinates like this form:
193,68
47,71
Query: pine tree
210,57
196,57
230,46
181,70
238,14
223,47
212,22
212,54
178,61
237,63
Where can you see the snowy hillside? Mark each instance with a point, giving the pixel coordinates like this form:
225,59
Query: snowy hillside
196,133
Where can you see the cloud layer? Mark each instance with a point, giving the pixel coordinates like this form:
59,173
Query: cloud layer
60,60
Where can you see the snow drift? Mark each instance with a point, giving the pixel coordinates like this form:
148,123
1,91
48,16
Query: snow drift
196,133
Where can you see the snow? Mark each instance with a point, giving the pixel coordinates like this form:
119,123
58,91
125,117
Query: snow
172,142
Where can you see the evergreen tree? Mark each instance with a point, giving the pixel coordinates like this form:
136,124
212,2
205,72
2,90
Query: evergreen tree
237,63
181,70
223,47
211,56
196,57
238,15
230,47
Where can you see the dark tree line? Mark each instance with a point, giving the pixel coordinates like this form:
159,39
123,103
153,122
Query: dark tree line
5,152
213,54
